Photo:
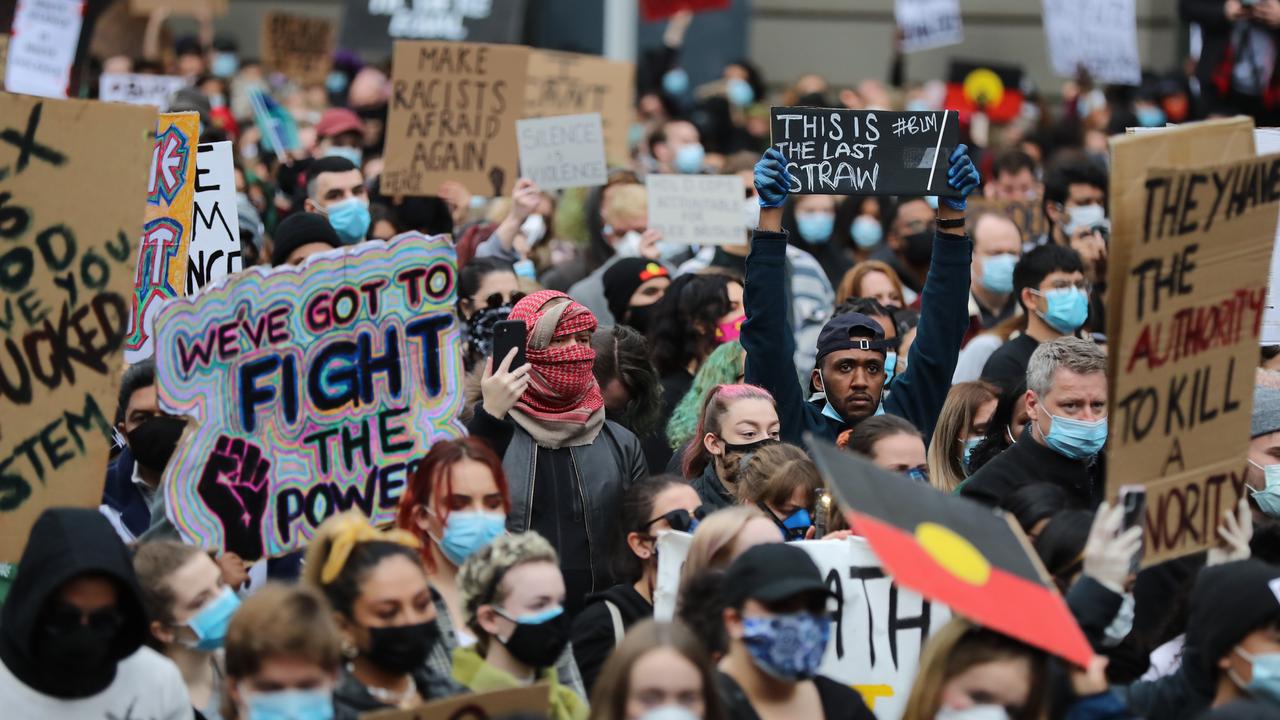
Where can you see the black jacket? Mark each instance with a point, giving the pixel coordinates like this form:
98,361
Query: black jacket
121,494
66,543
594,636
839,701
1027,462
351,699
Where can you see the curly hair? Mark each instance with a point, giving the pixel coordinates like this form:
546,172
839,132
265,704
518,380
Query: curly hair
722,367
774,473
683,328
480,577
622,354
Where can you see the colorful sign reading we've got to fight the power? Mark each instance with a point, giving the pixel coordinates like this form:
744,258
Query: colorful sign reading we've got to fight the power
312,390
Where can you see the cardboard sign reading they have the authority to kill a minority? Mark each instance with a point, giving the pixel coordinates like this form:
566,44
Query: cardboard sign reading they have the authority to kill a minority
865,152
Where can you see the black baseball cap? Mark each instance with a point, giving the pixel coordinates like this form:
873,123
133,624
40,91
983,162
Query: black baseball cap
851,331
772,573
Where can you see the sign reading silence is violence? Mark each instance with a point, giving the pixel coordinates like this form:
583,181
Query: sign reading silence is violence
70,209
311,390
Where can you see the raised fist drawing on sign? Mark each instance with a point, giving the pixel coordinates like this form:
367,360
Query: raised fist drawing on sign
234,486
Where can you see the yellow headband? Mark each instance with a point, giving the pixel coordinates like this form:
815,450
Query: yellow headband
352,530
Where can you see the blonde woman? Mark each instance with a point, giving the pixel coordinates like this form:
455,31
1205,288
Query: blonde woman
964,666
962,424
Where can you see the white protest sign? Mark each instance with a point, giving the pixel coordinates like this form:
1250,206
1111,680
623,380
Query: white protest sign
928,24
1266,142
1100,36
43,47
563,151
139,89
697,209
672,549
215,229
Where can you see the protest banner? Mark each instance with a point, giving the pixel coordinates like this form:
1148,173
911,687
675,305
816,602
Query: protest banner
865,152
697,209
1191,315
562,83
654,10
311,389
453,116
562,151
42,47
298,47
1098,36
370,26
1267,141
193,8
534,701
136,89
166,234
1028,215
928,24
72,209
215,224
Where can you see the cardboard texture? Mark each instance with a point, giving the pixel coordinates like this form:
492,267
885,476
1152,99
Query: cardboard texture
166,234
311,390
697,209
4,56
1189,321
562,83
453,116
73,206
217,8
298,46
1028,215
534,700
562,151
215,226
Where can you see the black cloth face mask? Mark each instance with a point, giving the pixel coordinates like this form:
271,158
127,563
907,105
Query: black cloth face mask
538,645
153,442
401,649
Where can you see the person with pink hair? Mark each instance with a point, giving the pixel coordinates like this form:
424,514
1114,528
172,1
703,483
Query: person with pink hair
736,421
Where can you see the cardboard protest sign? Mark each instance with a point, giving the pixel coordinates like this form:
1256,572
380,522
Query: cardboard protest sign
569,83
654,10
697,209
312,390
370,26
953,550
928,24
1267,141
72,209
4,56
42,48
1187,346
136,89
865,152
1099,36
562,151
453,116
180,7
534,700
166,234
1028,215
299,47
215,228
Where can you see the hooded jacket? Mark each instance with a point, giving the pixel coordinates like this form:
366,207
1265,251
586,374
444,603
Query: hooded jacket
594,634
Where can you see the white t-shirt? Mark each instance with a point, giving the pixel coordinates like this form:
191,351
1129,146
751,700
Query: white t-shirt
147,687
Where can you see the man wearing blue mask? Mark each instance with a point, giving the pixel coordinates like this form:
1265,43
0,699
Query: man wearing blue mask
336,189
340,133
1263,474
677,148
1067,405
1234,623
997,245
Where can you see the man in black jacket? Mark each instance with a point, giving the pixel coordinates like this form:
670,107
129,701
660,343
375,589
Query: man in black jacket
1067,403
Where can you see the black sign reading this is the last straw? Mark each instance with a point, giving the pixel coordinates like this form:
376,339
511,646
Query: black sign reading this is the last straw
866,152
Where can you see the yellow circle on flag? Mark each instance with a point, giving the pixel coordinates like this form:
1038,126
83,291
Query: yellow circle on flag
983,87
955,554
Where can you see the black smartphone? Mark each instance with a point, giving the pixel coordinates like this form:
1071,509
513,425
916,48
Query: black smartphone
508,334
1133,498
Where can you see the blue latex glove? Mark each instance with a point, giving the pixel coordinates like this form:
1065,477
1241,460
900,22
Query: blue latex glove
773,182
962,175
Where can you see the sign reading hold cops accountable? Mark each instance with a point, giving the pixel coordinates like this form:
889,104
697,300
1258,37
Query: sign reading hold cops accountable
697,209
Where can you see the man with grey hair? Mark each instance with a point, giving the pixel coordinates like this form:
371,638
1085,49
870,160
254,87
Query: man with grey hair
1067,405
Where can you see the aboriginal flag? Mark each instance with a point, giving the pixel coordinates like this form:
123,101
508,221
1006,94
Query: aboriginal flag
953,551
995,89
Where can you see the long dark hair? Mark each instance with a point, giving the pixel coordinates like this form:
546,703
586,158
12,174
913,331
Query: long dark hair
683,328
997,441
622,354
636,510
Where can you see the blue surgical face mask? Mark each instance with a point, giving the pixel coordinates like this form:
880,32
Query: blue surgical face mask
917,105
1068,308
795,526
467,531
675,82
787,647
1076,439
689,158
314,704
973,712
932,200
1265,683
890,365
224,64
635,134
1268,498
336,82
350,219
918,474
354,154
815,227
211,621
997,273
969,445
1150,116
866,231
739,92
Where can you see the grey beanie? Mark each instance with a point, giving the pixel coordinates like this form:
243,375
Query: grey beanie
1266,411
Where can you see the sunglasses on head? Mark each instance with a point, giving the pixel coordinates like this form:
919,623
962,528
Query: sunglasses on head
681,520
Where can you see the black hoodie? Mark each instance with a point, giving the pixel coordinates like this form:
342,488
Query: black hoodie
593,635
66,543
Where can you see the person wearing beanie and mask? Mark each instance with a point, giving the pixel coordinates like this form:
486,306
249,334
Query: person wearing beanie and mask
1263,474
514,600
1234,623
340,133
336,190
1067,403
300,236
778,623
851,350
566,464
73,629
997,245
633,286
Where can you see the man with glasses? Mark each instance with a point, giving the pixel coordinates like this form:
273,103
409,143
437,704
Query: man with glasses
1051,288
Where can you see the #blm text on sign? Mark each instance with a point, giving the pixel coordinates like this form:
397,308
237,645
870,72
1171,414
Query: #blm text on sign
563,151
697,209
72,206
1192,311
865,152
453,116
312,390
562,83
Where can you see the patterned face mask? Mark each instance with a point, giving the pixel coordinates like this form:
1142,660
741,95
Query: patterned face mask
479,327
787,647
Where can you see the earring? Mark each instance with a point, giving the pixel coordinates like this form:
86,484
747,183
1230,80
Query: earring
349,651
